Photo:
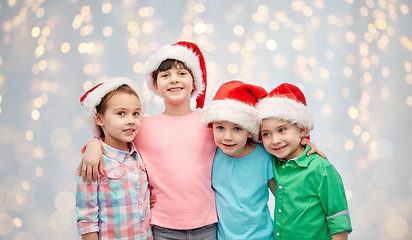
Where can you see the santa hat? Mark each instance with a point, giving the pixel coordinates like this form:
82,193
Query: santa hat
188,53
235,102
92,98
286,102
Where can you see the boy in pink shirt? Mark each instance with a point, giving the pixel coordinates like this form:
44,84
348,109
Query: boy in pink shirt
177,149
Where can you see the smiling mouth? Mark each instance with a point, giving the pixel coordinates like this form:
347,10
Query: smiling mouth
176,89
129,130
280,148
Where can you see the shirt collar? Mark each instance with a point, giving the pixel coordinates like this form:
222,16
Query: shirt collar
301,161
117,154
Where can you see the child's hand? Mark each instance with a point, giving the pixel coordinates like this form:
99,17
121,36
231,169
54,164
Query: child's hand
152,200
92,162
313,148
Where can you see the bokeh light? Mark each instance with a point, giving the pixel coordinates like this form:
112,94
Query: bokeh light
353,59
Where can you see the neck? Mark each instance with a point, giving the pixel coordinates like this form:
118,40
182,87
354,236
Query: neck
177,110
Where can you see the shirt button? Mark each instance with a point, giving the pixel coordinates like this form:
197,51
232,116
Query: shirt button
280,210
280,187
283,166
277,234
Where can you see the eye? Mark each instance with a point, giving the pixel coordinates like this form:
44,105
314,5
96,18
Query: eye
163,74
265,134
281,130
183,73
136,114
238,129
121,113
220,127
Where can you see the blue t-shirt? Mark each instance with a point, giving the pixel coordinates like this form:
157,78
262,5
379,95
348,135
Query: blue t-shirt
241,189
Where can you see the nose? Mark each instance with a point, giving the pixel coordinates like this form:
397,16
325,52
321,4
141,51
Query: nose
227,135
275,140
130,120
174,78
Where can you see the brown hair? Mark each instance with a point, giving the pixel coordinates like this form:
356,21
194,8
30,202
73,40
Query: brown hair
169,64
101,108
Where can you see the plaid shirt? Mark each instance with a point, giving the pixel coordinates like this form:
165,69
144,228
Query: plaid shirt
117,205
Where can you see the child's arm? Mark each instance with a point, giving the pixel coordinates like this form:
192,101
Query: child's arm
87,207
272,186
313,148
92,161
340,236
90,236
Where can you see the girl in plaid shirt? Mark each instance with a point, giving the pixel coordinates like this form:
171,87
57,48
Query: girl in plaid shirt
117,205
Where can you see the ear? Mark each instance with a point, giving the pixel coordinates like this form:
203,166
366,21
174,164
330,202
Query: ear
250,135
302,132
98,120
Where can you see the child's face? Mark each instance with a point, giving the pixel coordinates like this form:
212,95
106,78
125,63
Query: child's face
175,85
121,119
231,138
282,139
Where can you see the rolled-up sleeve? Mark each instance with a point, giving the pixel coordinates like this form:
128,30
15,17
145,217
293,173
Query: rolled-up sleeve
333,199
86,206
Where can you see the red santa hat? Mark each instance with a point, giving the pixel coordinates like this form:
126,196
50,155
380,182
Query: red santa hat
235,102
286,102
188,53
92,98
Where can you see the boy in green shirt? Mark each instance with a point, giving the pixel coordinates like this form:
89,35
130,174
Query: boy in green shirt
310,201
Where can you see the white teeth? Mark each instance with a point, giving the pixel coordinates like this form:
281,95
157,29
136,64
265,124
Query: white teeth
175,89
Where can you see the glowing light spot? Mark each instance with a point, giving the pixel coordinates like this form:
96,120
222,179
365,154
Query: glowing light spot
349,145
147,27
385,93
60,138
45,31
260,37
353,112
409,101
281,16
347,72
200,28
396,227
138,67
65,47
365,137
319,94
39,172
234,47
350,37
380,23
85,10
274,26
6,224
106,7
238,30
35,32
29,135
65,202
326,109
35,114
17,222
329,55
232,68
404,9
60,221
324,74
298,42
25,185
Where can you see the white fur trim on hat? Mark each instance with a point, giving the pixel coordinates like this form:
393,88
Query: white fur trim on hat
285,109
232,111
93,98
177,52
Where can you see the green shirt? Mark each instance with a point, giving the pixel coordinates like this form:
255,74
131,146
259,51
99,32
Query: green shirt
310,201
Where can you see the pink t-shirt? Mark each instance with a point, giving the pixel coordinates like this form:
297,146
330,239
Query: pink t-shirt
178,153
